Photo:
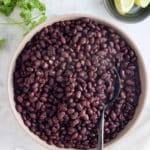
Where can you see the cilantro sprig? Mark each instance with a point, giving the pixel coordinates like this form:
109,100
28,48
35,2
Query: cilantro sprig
26,7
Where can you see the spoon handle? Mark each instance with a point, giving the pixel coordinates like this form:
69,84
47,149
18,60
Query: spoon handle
101,132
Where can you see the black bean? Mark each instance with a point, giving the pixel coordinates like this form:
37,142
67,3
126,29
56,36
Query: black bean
39,105
79,107
20,99
61,116
63,40
83,131
33,115
59,79
78,94
79,28
113,115
19,108
78,65
45,65
71,111
27,123
130,82
123,95
74,136
75,122
75,115
84,116
43,116
83,40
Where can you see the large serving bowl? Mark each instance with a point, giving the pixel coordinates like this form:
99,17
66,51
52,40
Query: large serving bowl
125,132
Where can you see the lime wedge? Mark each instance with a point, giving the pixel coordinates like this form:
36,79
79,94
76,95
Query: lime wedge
142,3
124,6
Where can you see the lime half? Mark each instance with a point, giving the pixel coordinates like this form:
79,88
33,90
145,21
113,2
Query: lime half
142,3
124,6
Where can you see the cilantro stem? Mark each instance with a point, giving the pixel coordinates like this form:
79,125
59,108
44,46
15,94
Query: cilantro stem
17,23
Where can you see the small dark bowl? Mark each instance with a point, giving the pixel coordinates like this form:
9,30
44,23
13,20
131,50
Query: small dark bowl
136,14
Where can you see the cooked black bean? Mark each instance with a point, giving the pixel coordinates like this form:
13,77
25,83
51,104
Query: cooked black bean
64,77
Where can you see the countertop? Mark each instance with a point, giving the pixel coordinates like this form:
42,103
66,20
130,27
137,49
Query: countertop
12,136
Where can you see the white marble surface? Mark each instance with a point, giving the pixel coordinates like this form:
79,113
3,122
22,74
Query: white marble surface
12,137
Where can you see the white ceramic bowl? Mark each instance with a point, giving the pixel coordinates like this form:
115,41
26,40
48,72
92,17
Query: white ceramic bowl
124,133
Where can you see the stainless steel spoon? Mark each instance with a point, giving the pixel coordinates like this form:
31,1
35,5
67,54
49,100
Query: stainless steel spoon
115,96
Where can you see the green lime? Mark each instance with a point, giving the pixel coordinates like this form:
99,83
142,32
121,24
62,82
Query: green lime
124,6
142,3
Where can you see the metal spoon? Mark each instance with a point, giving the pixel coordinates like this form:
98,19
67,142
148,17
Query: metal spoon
101,125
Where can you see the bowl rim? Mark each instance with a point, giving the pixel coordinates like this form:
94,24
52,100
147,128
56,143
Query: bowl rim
142,71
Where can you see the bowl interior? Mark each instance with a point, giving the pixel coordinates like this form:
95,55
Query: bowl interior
125,132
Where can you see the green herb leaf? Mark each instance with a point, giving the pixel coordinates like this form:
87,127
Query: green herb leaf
27,7
26,15
7,6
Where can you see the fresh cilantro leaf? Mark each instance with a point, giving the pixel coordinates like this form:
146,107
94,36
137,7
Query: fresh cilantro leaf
26,15
31,4
7,6
7,2
27,6
38,4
